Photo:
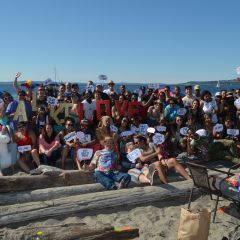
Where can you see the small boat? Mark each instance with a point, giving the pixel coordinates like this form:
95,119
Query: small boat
218,84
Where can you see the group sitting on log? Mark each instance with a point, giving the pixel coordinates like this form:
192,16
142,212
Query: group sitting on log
121,137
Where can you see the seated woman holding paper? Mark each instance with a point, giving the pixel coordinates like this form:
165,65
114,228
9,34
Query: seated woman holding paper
131,163
27,146
106,167
8,150
86,139
49,146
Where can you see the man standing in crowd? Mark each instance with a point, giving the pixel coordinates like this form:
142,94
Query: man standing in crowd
197,92
188,99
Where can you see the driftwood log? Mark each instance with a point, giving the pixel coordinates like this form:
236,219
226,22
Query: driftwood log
75,231
85,203
31,182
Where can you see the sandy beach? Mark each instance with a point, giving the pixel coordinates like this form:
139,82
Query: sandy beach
156,221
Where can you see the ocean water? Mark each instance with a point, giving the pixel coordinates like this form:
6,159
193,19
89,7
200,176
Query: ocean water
211,86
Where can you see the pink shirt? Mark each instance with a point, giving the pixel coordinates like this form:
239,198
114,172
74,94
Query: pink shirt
43,144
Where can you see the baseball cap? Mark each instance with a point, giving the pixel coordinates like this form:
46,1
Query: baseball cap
217,94
197,87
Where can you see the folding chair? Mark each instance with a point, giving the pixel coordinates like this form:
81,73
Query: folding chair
202,180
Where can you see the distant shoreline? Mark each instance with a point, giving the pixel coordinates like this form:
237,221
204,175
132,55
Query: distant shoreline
131,83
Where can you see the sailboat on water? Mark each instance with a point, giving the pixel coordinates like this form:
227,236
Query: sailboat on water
218,84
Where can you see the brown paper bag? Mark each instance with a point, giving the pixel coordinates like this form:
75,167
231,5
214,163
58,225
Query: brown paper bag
194,226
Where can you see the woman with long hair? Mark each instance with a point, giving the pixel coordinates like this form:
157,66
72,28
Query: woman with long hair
49,145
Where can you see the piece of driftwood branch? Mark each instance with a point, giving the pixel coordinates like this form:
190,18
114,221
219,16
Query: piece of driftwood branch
91,201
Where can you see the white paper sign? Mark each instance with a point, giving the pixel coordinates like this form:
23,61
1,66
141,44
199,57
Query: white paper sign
237,103
201,132
70,136
47,82
158,138
25,148
151,130
143,128
184,131
153,86
161,128
135,130
126,133
134,155
84,154
181,111
233,132
113,128
218,127
52,101
83,138
102,77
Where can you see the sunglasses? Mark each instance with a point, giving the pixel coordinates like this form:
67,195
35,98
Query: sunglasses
136,143
69,124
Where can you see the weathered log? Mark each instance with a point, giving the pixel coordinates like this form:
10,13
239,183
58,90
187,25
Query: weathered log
31,182
48,193
91,201
75,231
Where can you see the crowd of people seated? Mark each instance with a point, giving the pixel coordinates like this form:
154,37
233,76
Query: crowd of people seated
121,135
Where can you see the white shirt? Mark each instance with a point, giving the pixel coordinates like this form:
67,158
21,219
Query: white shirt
88,109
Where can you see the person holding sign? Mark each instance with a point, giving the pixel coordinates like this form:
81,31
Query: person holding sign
130,162
49,146
68,143
85,138
19,110
27,146
106,166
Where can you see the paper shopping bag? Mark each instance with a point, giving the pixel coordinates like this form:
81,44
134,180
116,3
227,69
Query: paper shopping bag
194,226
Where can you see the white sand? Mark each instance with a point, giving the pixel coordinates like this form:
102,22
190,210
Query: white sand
158,221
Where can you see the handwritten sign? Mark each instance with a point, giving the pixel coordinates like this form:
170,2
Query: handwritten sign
113,128
184,131
153,86
70,136
158,138
134,155
52,101
143,128
135,130
102,77
151,130
233,132
237,103
218,127
47,82
201,132
126,133
25,148
181,111
84,154
161,128
83,138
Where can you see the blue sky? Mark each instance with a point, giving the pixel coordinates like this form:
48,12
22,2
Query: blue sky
167,41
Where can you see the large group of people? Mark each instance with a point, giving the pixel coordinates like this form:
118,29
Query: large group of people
121,135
